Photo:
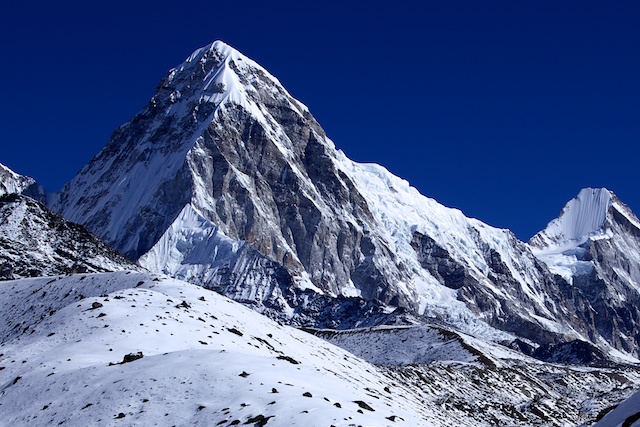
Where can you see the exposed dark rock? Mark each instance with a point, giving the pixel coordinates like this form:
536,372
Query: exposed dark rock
363,405
259,420
132,356
288,359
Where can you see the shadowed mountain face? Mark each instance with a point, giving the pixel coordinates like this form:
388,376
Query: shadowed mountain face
37,242
225,180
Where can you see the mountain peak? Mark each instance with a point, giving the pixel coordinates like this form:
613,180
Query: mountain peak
218,74
582,217
12,182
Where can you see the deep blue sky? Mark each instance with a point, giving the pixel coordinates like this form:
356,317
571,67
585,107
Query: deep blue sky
504,109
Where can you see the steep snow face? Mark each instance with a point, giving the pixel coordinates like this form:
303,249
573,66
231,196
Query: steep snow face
223,162
37,242
189,246
11,182
581,218
195,250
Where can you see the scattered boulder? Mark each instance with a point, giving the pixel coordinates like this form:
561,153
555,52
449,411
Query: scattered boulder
184,305
131,357
289,359
258,420
363,405
235,331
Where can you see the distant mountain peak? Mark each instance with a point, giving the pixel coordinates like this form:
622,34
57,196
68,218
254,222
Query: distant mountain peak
12,182
582,217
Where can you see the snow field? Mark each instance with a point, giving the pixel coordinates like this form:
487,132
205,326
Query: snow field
207,360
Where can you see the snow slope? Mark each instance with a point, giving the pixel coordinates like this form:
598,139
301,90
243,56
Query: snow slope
68,357
206,361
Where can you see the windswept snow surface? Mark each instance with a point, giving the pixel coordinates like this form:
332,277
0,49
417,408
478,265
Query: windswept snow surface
206,361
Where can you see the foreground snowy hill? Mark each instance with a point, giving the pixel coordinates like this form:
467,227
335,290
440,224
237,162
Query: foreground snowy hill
227,181
138,349
206,361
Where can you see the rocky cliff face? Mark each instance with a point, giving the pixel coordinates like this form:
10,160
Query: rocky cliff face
224,179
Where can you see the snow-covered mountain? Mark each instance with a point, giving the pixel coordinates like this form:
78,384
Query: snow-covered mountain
595,246
225,180
37,242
